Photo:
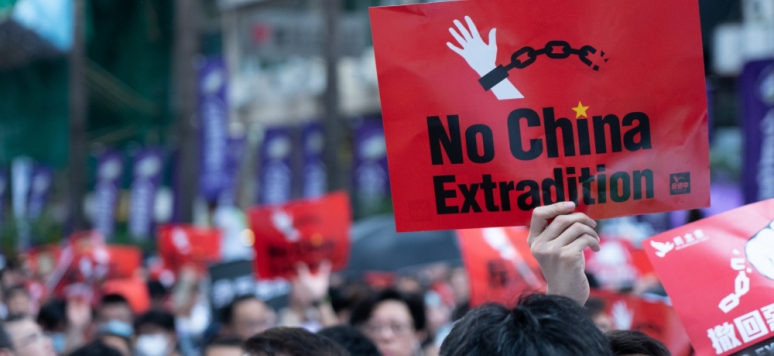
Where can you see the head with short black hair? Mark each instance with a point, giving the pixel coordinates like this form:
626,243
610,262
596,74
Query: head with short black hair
96,348
628,342
224,347
52,316
17,300
595,309
351,339
156,319
155,331
538,325
246,316
392,320
292,342
115,307
158,295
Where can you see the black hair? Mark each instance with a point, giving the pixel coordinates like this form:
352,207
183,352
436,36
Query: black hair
158,318
5,339
224,341
96,348
157,290
114,299
628,342
53,315
538,325
292,342
594,306
17,290
227,315
415,304
351,339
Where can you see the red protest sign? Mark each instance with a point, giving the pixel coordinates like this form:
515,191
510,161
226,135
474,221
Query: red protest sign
654,318
527,103
181,245
81,270
719,273
307,231
499,263
618,264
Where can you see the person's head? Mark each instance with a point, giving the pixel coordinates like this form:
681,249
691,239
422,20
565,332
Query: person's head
635,343
17,300
156,334
538,325
247,316
158,295
115,307
97,348
394,321
6,345
595,309
291,342
53,319
27,337
118,335
231,346
351,339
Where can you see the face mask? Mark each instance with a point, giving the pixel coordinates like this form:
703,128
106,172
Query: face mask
58,341
152,345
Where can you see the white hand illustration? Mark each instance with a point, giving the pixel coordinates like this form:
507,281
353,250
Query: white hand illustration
283,222
760,251
622,315
480,56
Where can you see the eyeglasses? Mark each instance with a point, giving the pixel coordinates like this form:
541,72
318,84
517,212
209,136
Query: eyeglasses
396,328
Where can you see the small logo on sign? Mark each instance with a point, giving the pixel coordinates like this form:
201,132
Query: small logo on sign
680,183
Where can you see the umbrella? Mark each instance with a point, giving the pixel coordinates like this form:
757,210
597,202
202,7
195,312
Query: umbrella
376,246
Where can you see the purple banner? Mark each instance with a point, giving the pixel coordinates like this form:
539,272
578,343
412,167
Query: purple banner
42,180
106,191
213,127
370,179
236,151
756,87
315,178
274,171
148,167
21,172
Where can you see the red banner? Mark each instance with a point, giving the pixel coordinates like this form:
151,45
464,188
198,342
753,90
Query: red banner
500,265
181,245
719,273
308,231
81,271
654,318
492,108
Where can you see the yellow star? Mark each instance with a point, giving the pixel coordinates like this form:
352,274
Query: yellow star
580,110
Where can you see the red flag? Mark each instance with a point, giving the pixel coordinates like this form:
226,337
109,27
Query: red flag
500,265
719,273
492,108
307,231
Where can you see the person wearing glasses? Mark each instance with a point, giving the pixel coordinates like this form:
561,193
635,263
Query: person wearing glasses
26,337
394,321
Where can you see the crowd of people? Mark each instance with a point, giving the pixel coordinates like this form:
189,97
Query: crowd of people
329,316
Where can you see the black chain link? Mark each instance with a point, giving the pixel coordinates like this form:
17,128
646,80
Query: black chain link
500,73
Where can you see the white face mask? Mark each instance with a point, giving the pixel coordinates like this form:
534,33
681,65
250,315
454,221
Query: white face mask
152,345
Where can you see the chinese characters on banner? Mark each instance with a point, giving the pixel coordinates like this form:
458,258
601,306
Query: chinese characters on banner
315,177
106,192
492,108
275,172
308,231
719,273
213,129
499,263
148,167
